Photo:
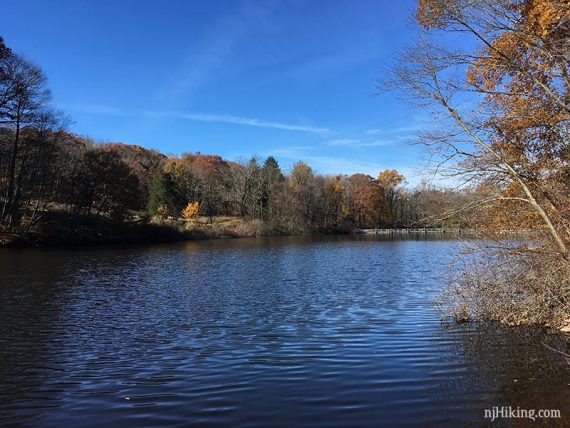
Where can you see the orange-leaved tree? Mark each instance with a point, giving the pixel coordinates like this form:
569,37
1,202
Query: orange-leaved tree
191,210
501,92
496,75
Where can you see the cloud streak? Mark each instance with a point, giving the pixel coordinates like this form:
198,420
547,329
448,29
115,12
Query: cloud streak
356,143
332,165
237,120
196,117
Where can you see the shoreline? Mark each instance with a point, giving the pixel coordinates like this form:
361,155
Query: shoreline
94,232
102,232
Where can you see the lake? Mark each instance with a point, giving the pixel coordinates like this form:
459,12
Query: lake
271,332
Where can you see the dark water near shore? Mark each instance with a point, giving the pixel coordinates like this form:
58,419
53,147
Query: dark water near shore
337,331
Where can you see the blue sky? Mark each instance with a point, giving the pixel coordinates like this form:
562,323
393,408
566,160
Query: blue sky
289,78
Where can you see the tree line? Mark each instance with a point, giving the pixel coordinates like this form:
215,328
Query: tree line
45,169
298,200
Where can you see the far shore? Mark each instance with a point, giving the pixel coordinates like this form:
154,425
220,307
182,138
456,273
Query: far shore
90,231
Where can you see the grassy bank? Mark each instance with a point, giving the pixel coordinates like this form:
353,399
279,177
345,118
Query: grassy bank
58,229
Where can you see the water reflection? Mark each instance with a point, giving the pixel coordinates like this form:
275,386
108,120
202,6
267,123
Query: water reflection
519,365
334,331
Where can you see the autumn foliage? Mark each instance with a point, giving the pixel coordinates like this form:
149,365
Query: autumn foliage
190,211
504,91
47,172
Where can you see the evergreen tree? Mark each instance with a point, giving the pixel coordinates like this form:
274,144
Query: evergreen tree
165,193
272,178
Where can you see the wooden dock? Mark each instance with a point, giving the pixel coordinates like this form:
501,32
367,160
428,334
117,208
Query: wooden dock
417,230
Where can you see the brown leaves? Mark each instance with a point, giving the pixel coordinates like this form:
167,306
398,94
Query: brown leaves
433,13
544,17
389,179
516,74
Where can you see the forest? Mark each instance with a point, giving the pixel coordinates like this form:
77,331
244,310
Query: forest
55,185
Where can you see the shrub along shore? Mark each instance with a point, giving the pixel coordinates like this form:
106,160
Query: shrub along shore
91,231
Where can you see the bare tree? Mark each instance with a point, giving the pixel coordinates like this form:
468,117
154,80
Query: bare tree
494,73
24,104
501,100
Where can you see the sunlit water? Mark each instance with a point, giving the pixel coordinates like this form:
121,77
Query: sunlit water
292,332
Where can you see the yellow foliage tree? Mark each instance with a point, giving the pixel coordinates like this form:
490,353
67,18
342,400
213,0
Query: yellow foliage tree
191,210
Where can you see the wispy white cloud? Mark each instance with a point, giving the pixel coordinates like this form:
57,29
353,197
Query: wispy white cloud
406,129
342,142
291,152
197,117
377,143
357,143
346,165
326,164
415,123
399,130
237,120
343,165
377,137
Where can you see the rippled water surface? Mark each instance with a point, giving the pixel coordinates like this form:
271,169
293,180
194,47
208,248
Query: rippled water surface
296,332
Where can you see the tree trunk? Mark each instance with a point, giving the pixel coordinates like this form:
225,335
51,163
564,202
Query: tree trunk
8,208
